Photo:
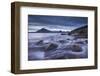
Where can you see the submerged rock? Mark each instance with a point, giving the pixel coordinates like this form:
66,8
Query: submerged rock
51,46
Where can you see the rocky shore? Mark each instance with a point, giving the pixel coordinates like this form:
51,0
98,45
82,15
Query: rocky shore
59,45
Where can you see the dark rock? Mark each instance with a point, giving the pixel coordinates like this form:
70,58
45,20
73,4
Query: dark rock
63,33
51,46
80,42
39,42
68,39
74,47
86,41
69,33
62,41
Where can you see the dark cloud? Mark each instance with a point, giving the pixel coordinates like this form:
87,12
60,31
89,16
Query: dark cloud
58,20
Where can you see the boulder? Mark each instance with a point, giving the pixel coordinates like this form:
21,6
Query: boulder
51,46
74,47
62,41
39,42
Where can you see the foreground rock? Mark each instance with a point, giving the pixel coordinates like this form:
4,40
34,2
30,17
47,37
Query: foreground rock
51,46
74,47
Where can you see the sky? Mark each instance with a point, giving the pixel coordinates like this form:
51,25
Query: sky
55,23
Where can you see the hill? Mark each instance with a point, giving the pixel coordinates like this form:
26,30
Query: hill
43,30
80,32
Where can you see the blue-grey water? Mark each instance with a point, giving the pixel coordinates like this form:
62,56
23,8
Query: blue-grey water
38,44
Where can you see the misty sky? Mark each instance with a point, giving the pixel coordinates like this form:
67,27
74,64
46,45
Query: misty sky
55,23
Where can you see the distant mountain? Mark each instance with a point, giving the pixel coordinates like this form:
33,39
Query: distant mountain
80,32
43,30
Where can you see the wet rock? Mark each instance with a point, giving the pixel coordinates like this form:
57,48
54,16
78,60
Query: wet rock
39,42
80,42
51,46
86,41
74,47
63,33
68,39
62,41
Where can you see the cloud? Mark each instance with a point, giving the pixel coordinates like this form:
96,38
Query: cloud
33,27
58,20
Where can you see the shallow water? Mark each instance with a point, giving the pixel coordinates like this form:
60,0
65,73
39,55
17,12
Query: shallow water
37,52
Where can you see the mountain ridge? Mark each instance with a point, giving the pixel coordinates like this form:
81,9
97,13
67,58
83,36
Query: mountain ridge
43,30
80,32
